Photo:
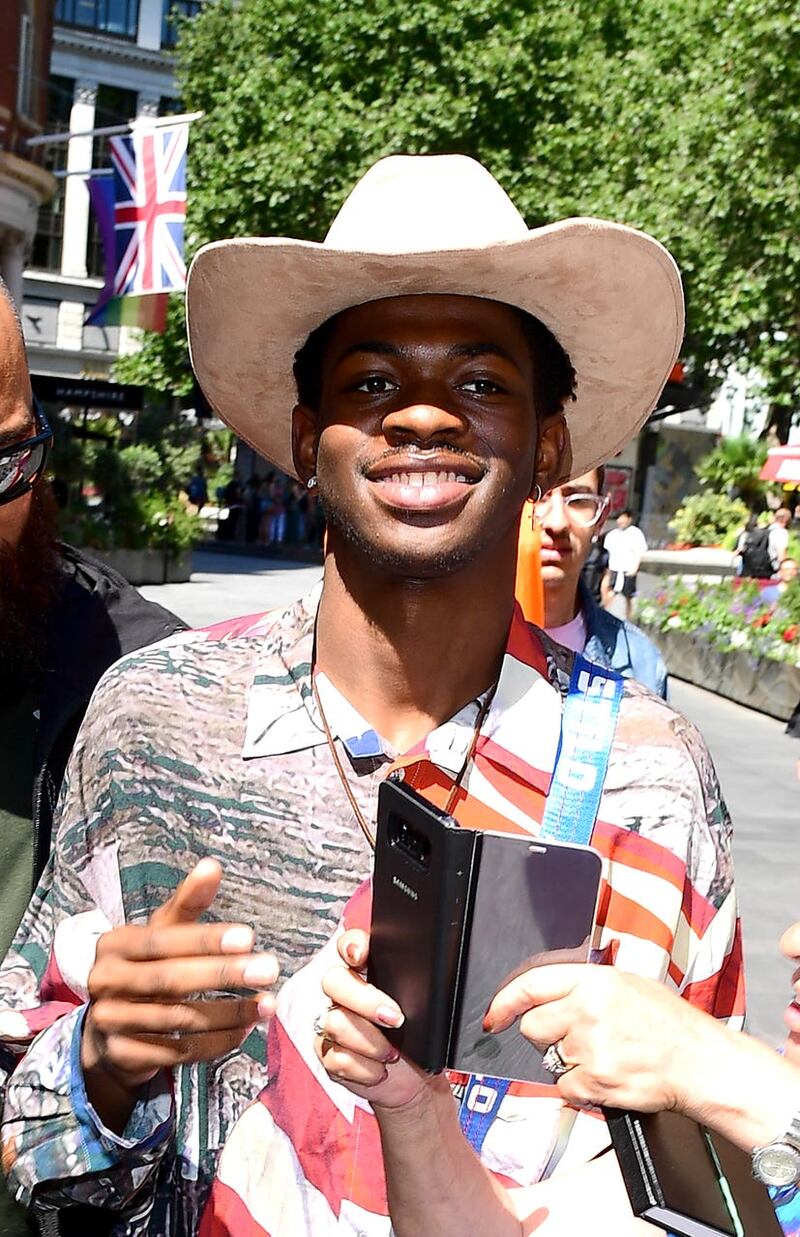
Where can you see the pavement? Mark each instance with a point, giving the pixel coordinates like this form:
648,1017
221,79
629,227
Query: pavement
756,761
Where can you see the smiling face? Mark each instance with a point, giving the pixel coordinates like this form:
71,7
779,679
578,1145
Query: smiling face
425,444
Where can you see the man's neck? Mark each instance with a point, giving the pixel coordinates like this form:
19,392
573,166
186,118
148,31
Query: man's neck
561,604
408,654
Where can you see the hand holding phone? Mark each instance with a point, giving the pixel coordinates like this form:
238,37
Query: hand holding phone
352,1045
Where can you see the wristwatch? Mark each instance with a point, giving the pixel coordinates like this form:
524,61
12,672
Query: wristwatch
778,1163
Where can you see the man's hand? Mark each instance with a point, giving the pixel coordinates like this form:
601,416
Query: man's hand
147,1011
353,1048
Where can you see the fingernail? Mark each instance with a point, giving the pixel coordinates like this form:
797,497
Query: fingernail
260,972
488,1023
266,1008
391,1056
237,938
353,954
389,1016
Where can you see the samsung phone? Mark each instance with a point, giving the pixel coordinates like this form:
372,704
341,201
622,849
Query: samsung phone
456,914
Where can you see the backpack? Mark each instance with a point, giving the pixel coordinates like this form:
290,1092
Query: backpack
756,561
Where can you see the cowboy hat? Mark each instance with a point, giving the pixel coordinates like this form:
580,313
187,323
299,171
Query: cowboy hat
438,224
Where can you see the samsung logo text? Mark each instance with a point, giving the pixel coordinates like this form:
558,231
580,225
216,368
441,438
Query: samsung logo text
406,889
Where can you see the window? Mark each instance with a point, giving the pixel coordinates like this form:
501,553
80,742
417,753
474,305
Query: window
176,9
25,66
114,106
46,255
119,17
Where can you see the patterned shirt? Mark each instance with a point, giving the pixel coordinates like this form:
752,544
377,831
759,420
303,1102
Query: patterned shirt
210,744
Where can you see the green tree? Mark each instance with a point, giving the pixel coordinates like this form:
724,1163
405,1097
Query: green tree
709,519
681,117
732,468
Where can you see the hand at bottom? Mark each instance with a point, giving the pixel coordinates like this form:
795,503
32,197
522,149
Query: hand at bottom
352,1046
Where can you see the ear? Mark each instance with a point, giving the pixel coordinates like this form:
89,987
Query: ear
304,441
553,454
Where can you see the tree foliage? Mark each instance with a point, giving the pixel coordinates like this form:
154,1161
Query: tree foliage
681,117
733,467
709,519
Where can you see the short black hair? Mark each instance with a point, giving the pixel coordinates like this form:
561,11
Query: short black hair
625,511
553,374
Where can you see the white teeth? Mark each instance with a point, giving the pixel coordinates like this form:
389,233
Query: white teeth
419,479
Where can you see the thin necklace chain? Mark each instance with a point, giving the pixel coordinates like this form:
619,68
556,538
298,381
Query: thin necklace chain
348,790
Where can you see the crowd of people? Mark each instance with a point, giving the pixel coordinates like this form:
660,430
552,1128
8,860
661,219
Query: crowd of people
190,1044
273,512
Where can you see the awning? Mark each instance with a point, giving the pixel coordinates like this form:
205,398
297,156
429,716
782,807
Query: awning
782,465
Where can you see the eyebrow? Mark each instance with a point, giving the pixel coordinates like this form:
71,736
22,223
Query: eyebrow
15,438
384,348
482,349
381,346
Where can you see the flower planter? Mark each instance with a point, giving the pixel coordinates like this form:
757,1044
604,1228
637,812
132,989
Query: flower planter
147,566
772,687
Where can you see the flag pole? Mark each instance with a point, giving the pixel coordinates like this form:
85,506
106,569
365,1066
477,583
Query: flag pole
146,122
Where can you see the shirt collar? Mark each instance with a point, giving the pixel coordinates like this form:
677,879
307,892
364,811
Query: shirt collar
523,722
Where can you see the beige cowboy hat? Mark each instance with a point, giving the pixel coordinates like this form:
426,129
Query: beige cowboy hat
438,224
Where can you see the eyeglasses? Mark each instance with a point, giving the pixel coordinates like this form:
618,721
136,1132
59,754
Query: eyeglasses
22,464
584,508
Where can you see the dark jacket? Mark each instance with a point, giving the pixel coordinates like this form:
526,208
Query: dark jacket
97,617
621,646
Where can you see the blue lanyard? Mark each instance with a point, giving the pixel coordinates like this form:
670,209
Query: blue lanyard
588,723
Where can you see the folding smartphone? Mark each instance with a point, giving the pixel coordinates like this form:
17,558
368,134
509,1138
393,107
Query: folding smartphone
456,914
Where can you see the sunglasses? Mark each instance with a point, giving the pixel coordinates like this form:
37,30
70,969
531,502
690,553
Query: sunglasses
22,464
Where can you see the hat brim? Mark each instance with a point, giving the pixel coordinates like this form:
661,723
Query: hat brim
611,295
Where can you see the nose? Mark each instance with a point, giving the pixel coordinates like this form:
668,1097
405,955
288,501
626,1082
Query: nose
422,422
552,513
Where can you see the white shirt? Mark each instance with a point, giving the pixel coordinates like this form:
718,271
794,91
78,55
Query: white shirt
573,635
777,544
625,547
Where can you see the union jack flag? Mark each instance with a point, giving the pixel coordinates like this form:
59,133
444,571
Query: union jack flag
149,210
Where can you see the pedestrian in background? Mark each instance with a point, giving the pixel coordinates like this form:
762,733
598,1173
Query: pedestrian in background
625,546
779,537
570,519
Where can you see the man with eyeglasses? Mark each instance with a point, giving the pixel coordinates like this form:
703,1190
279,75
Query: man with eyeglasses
64,618
571,517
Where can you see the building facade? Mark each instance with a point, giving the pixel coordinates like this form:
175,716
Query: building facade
111,62
26,28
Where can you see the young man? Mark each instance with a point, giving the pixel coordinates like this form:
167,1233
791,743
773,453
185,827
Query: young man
436,344
570,517
625,546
